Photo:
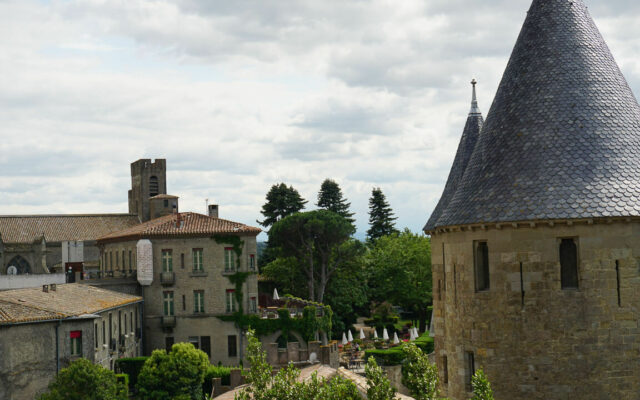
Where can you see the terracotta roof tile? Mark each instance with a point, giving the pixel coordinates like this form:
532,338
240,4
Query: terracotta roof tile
57,228
182,224
68,300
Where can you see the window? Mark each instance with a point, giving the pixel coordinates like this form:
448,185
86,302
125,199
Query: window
252,262
167,261
130,259
95,335
481,265
21,265
253,305
232,346
231,301
104,334
568,264
165,203
182,260
123,261
198,301
184,303
153,186
445,369
119,324
197,260
117,261
168,304
76,343
470,369
205,345
168,343
195,341
229,259
111,260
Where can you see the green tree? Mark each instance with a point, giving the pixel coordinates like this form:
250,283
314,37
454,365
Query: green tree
179,373
282,201
481,386
399,268
84,380
288,277
285,385
381,219
379,386
419,375
314,239
330,198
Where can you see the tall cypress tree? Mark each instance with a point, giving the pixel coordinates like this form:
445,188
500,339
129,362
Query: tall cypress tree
282,201
330,198
381,219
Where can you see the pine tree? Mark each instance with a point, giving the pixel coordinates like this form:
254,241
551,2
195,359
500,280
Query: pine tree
380,216
282,201
330,198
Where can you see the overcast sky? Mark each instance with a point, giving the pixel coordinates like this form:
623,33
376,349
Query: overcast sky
239,95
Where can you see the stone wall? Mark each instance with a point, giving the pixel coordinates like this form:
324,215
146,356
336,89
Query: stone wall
535,340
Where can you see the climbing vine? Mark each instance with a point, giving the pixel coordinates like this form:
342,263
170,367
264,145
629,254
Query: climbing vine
234,241
238,279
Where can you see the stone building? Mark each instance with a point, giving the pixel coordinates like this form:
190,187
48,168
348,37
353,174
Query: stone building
40,244
191,267
536,246
43,329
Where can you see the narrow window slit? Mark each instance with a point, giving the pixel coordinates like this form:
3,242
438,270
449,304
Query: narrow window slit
618,283
521,287
455,286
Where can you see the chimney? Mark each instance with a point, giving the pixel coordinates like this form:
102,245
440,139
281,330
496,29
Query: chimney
213,210
52,287
45,288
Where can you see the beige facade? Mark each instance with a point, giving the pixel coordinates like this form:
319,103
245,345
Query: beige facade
200,291
534,339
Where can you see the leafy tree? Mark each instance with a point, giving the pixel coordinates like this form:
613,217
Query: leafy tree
178,374
379,386
285,385
282,201
419,375
481,386
287,275
314,239
399,269
380,216
330,198
84,380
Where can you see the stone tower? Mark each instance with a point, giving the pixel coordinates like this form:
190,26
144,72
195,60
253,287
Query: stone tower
148,179
536,254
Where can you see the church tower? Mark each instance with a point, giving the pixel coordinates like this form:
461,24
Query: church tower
148,179
535,255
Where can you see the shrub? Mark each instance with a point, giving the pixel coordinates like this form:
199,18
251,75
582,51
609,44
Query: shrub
379,386
392,356
425,343
131,367
216,372
481,386
418,374
85,380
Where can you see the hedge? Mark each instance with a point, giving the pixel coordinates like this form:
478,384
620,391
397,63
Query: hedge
395,355
131,367
216,372
425,343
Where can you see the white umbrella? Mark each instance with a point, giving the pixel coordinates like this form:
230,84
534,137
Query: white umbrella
362,337
375,333
385,334
275,294
415,332
411,335
350,336
344,339
395,338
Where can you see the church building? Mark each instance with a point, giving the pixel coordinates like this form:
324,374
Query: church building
536,239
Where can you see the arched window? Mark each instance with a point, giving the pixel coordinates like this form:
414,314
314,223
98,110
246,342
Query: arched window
22,265
569,264
282,342
153,186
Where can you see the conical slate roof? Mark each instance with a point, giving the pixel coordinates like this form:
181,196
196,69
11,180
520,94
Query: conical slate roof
562,138
468,141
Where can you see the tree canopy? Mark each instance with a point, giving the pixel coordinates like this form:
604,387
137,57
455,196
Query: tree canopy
381,219
282,201
178,374
330,198
399,268
84,380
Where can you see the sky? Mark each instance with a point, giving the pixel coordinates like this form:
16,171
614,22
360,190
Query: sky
240,95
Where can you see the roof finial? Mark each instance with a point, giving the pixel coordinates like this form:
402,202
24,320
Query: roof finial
474,100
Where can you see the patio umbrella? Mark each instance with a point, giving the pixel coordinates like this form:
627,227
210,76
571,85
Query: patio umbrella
350,336
375,334
415,332
344,339
385,334
395,338
411,335
275,294
362,337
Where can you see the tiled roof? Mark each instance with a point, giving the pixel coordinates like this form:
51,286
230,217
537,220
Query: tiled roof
57,228
562,138
182,224
68,300
468,141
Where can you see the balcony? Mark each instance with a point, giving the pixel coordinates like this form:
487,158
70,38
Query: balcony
167,278
168,321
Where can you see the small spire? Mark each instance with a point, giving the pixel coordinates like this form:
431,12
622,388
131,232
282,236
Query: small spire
474,100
